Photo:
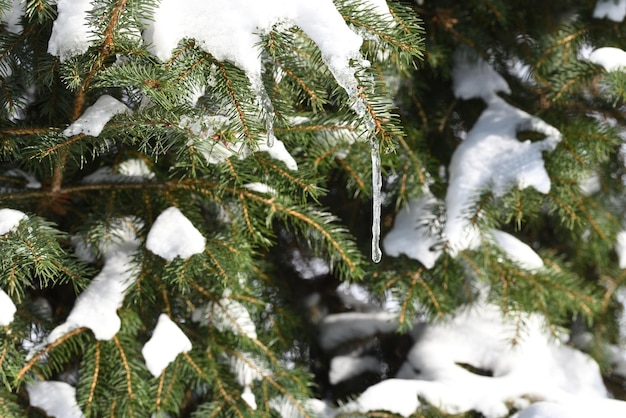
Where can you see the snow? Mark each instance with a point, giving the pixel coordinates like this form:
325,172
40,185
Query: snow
278,151
614,10
71,33
7,309
248,368
411,234
517,251
10,219
620,248
56,399
345,367
612,59
96,116
173,235
221,29
32,182
133,170
96,307
491,157
249,397
11,17
167,342
227,315
474,78
538,367
262,188
338,328
575,408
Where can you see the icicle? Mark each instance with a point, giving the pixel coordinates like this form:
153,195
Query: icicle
376,200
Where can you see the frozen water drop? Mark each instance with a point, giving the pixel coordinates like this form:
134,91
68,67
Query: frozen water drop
376,201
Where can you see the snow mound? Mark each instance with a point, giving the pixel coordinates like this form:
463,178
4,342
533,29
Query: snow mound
96,116
96,307
167,342
612,59
10,219
173,235
56,399
474,78
537,366
491,157
7,309
610,9
517,251
227,315
71,32
411,233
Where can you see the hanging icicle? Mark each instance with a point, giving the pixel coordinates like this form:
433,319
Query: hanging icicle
377,184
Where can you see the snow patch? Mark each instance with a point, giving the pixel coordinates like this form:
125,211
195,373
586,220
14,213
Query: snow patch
71,33
474,78
338,328
11,17
491,157
517,251
96,307
620,248
173,235
167,342
227,315
345,367
411,233
10,219
614,10
56,399
538,366
612,59
133,170
7,309
96,116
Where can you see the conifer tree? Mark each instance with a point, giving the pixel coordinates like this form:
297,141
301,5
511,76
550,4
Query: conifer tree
196,195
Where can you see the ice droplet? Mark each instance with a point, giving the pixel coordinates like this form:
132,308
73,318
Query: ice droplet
376,200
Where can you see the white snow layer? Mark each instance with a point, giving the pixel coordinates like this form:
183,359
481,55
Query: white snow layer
227,315
173,235
614,10
96,116
338,328
345,367
56,399
247,368
10,219
133,170
11,17
537,367
167,341
96,307
491,157
71,33
612,59
474,78
517,251
7,309
620,248
411,233
231,31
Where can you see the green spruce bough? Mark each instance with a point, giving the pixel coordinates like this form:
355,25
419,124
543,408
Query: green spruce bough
194,192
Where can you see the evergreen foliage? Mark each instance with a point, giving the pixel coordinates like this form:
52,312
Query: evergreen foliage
194,136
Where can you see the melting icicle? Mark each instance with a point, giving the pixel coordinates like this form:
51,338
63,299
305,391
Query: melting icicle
359,105
376,199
